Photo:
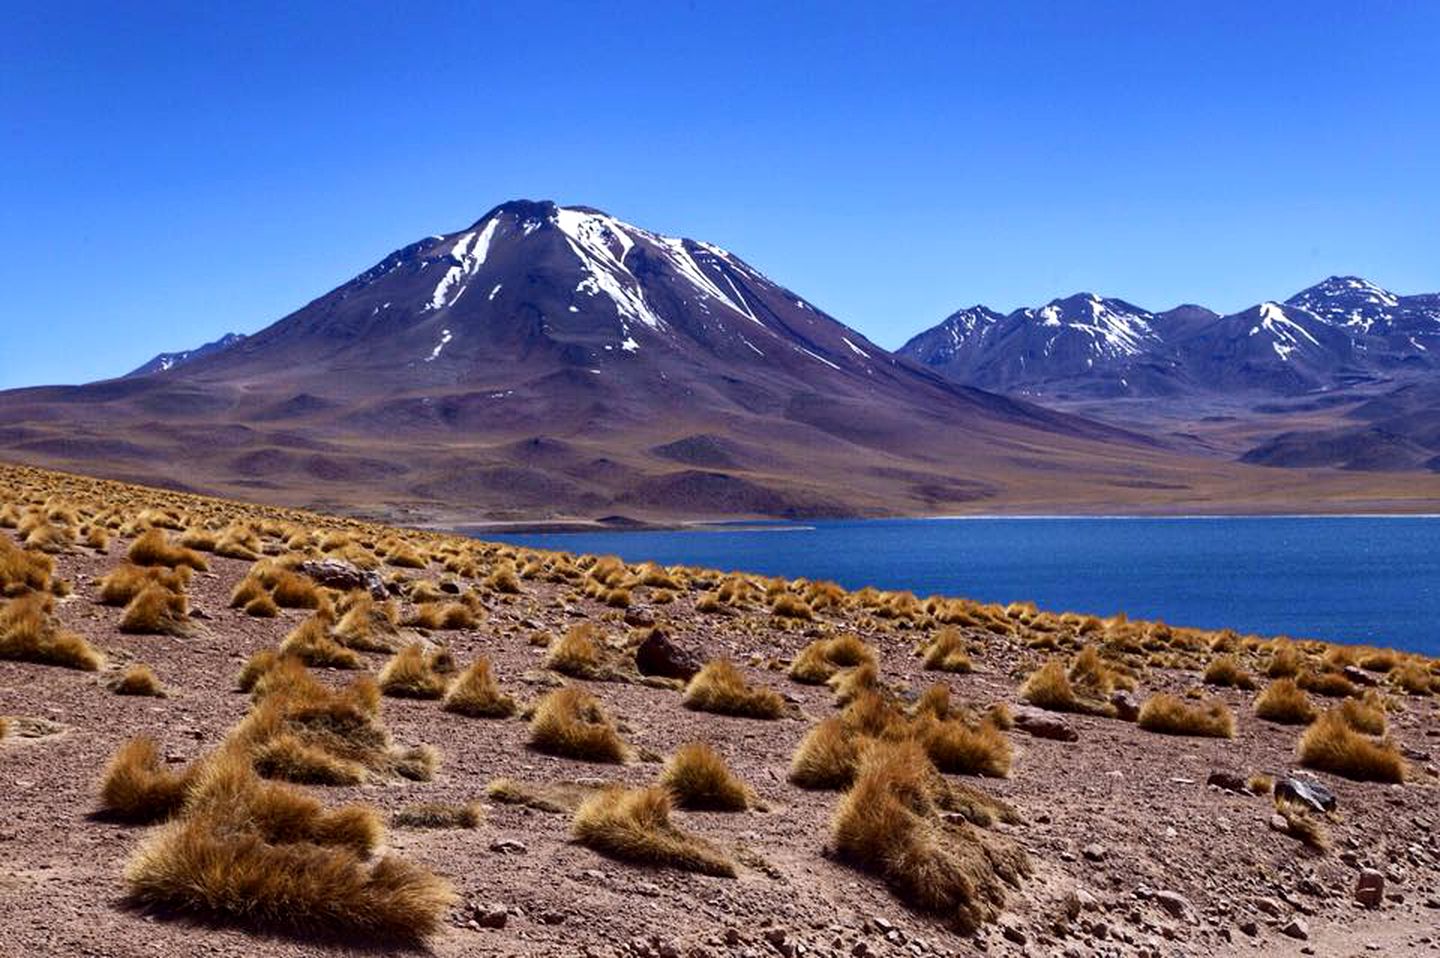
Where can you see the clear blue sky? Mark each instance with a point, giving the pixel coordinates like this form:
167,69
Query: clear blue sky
174,171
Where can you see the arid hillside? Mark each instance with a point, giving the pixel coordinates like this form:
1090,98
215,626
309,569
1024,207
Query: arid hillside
240,730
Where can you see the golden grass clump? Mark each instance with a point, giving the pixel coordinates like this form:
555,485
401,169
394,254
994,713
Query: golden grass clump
29,633
436,815
1365,715
960,749
156,610
826,757
1331,745
633,825
946,652
721,688
1049,687
1285,702
1304,823
790,606
288,758
697,777
409,674
821,659
575,653
23,571
153,548
1223,670
476,694
889,823
1171,715
310,642
262,607
1413,680
268,857
1286,660
569,722
291,590
137,787
128,580
367,625
138,679
849,684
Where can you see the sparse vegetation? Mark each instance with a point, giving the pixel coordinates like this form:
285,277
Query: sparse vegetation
634,825
720,687
409,674
1285,702
697,777
1331,745
570,722
433,815
476,694
1170,715
138,679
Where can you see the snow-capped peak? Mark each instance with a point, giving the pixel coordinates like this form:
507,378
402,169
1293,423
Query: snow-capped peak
1348,301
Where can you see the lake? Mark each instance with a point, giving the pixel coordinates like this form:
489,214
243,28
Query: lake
1371,579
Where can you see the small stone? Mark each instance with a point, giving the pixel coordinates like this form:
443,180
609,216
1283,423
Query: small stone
1296,928
1093,852
491,916
508,846
1311,794
1042,724
1176,904
1127,707
1227,781
1250,927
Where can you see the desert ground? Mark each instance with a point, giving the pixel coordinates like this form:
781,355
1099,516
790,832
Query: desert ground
349,737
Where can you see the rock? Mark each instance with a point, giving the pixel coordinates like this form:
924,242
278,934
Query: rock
1308,793
450,587
1268,906
491,915
1250,927
1012,931
1042,724
1280,823
1370,888
1227,781
1176,904
1359,676
508,846
334,574
639,617
662,655
552,916
1093,852
1296,928
1127,707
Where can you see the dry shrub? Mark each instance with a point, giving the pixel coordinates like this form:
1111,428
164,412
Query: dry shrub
1285,660
821,659
443,616
268,857
289,759
153,548
246,591
575,653
504,579
946,653
890,823
697,777
1414,680
29,633
476,694
1331,745
957,748
1223,670
569,722
291,590
721,688
543,797
22,571
310,642
1170,715
157,611
1285,702
262,607
826,757
934,702
409,674
633,825
436,815
1049,687
257,665
1365,715
1304,823
138,679
136,786
367,625
790,606
851,683
1379,660
127,581
1329,684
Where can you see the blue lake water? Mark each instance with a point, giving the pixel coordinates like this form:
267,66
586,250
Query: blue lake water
1345,579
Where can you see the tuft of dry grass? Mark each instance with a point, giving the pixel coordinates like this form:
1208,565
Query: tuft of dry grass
569,722
310,642
849,684
1049,687
157,611
1223,670
128,580
288,758
138,679
28,633
1331,745
821,659
543,797
409,674
291,590
1171,715
889,823
1285,660
946,653
1365,715
790,606
1413,680
721,688
826,757
960,749
1285,702
435,815
153,548
476,694
697,777
137,787
1304,823
575,653
634,825
1329,684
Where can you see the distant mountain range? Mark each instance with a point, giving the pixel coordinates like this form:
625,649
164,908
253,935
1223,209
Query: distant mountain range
554,362
1339,333
1352,366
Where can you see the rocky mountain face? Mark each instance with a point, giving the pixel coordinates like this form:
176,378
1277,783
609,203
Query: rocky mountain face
1340,375
1339,333
552,360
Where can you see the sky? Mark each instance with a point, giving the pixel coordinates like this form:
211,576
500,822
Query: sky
172,172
